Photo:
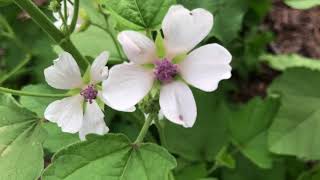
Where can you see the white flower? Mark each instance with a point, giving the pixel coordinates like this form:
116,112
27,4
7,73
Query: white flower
80,112
202,68
59,22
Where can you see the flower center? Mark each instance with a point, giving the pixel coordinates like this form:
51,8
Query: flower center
89,93
165,71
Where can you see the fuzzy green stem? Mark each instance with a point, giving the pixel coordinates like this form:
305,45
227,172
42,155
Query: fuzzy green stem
73,24
24,93
64,21
161,132
16,69
45,23
144,129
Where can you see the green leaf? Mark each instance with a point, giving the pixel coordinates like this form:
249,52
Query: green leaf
110,157
247,171
187,170
5,2
21,154
295,130
38,104
92,11
137,14
226,29
225,159
249,126
283,62
57,139
302,4
92,42
208,135
205,4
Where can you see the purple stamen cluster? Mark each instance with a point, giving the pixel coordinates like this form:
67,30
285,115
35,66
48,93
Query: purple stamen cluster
89,93
165,70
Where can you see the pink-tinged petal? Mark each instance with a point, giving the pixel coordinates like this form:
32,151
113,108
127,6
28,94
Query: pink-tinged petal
67,113
177,104
184,29
100,96
206,66
93,121
126,86
138,48
99,71
64,73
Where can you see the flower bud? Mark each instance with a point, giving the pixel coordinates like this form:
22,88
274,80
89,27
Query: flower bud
54,6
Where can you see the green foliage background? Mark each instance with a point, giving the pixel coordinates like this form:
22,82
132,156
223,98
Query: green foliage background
268,138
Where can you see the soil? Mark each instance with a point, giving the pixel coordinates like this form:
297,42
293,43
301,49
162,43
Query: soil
296,31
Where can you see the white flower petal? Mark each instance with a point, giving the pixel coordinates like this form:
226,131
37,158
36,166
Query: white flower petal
206,66
67,113
177,103
126,86
100,96
138,48
184,29
99,70
64,73
93,121
58,24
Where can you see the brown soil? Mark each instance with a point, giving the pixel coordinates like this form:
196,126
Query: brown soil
296,31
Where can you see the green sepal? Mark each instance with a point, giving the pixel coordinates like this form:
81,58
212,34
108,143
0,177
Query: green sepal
100,103
178,59
86,77
148,66
161,50
74,91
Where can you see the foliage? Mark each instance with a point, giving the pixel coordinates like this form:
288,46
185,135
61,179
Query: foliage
274,137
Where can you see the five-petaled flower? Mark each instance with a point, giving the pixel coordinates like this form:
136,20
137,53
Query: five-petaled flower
80,112
202,68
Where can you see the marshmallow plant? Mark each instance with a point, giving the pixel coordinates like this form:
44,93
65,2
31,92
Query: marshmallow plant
80,112
70,13
173,62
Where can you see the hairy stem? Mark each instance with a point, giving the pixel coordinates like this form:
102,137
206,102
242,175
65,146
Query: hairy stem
161,132
73,24
144,129
24,93
45,23
16,69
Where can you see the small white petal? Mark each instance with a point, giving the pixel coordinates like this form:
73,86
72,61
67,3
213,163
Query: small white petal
64,73
58,24
100,96
99,70
138,48
126,86
184,29
93,121
177,104
206,66
67,113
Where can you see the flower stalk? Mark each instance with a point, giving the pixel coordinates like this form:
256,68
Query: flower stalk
16,69
144,129
73,24
24,93
45,23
